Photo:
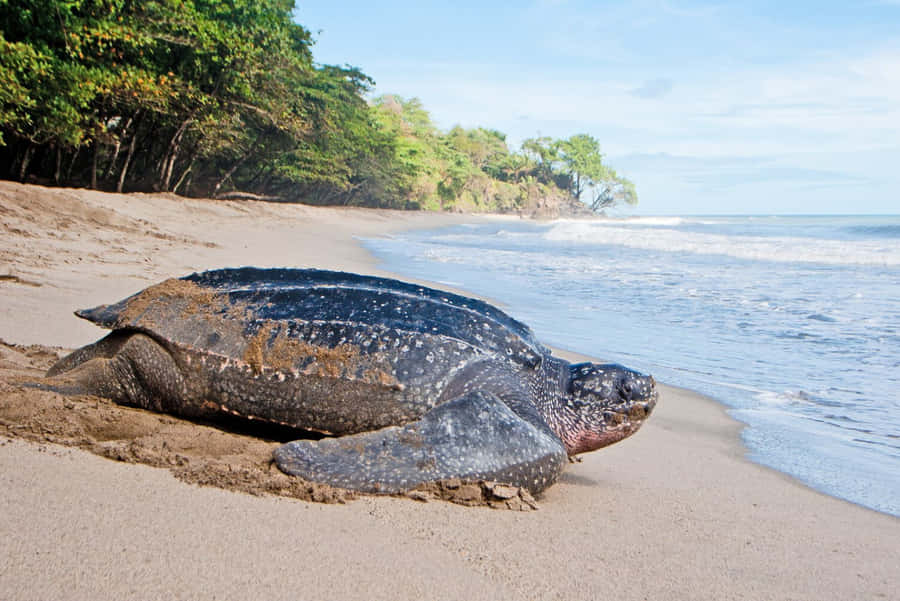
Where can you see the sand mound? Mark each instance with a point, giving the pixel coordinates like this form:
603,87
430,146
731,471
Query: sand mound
234,456
195,453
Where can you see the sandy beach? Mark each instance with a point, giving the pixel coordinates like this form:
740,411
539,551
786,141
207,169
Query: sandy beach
103,502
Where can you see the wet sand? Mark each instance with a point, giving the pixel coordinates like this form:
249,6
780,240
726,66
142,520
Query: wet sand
105,502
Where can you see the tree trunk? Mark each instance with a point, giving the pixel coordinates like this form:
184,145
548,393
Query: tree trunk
94,165
183,175
130,154
58,172
231,171
167,176
267,181
112,162
72,163
26,159
257,175
169,160
601,200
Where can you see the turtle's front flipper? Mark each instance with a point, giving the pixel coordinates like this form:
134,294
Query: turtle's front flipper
473,437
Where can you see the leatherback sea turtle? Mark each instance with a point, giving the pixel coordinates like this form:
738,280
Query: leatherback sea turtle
413,384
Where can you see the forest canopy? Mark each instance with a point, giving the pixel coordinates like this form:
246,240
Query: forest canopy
208,98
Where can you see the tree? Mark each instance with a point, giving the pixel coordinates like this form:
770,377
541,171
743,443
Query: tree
486,148
203,97
584,164
19,64
611,190
172,94
544,151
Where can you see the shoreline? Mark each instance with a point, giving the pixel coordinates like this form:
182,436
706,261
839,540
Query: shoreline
677,511
749,431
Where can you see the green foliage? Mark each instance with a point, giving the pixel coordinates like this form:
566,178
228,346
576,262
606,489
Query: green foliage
613,190
486,148
583,162
19,66
204,97
580,154
544,152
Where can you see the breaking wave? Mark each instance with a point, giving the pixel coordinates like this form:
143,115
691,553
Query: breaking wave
754,248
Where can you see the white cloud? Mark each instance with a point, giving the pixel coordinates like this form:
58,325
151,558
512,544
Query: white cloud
853,103
717,83
737,137
653,88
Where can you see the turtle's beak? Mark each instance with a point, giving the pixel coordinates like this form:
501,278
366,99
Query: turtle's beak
640,395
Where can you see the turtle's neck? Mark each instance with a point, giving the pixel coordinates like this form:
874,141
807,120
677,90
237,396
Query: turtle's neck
549,392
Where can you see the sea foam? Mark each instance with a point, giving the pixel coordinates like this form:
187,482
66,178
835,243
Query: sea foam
792,322
754,248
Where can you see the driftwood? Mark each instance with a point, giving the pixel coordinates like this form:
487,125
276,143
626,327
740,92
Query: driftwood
238,195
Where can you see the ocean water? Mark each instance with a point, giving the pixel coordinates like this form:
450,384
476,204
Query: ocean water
792,322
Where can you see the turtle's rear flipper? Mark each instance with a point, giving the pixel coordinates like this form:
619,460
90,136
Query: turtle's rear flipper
127,367
473,437
104,348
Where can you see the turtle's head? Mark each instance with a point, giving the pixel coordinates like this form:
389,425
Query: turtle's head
602,404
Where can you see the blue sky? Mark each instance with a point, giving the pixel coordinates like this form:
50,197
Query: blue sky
786,106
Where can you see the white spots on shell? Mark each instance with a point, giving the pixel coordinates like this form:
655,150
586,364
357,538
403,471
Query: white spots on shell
429,357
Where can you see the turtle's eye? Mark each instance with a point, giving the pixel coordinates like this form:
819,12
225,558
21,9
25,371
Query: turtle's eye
626,388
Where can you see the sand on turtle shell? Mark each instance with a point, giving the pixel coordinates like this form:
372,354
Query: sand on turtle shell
271,347
197,299
196,453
